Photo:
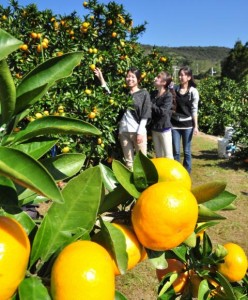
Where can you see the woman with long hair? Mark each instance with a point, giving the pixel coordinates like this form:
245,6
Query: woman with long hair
185,116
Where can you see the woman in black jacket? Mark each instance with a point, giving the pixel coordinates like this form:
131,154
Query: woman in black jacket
162,100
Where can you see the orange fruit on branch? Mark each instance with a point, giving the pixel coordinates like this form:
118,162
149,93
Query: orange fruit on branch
175,266
235,263
83,270
14,256
171,170
164,216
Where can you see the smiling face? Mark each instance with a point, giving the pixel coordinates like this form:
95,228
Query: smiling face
131,80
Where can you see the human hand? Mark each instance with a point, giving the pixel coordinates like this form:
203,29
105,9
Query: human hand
140,138
99,75
196,130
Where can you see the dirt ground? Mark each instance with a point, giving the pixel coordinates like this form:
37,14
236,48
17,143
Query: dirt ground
141,282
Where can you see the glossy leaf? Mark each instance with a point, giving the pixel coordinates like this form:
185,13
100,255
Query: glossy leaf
109,179
33,288
46,73
64,165
227,286
54,125
27,172
114,198
180,252
206,214
36,147
114,241
144,172
8,44
222,201
208,191
77,215
157,259
125,178
8,92
191,240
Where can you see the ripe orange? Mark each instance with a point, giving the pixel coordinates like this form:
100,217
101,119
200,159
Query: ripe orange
92,67
91,115
171,170
164,216
33,35
88,92
83,270
235,263
133,247
24,47
14,256
178,267
114,34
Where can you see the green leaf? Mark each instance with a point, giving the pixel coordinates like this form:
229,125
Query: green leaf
8,92
46,73
157,259
206,214
114,241
205,225
114,198
28,172
64,166
180,252
222,201
36,147
208,191
53,125
125,178
227,287
144,172
119,296
8,44
109,179
82,196
8,196
203,290
33,288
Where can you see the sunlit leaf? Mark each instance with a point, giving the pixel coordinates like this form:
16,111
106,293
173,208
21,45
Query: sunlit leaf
27,172
8,44
222,201
76,216
33,288
125,178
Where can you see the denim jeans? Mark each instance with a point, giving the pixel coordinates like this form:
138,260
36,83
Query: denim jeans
186,135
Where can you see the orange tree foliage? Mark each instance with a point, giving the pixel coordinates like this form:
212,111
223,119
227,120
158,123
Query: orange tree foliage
108,39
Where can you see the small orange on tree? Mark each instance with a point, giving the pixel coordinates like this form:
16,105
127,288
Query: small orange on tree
235,264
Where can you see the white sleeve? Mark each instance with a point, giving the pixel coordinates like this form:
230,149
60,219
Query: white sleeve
142,126
106,87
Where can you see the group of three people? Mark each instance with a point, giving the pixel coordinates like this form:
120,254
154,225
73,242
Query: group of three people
172,112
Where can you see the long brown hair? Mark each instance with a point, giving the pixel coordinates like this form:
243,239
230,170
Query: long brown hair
188,72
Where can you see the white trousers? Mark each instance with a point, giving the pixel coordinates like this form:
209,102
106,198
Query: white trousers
163,143
128,141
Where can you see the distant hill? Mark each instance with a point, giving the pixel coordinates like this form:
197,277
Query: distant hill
200,59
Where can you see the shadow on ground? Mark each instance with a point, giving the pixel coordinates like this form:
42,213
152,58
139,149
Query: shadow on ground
234,162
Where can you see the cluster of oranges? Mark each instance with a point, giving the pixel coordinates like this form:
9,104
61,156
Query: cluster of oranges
163,217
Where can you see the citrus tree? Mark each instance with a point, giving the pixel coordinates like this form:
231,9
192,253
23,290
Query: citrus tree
107,38
224,103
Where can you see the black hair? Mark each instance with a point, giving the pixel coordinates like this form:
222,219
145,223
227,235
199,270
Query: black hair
136,72
188,72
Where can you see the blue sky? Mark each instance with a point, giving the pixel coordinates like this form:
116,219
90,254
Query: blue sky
173,23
